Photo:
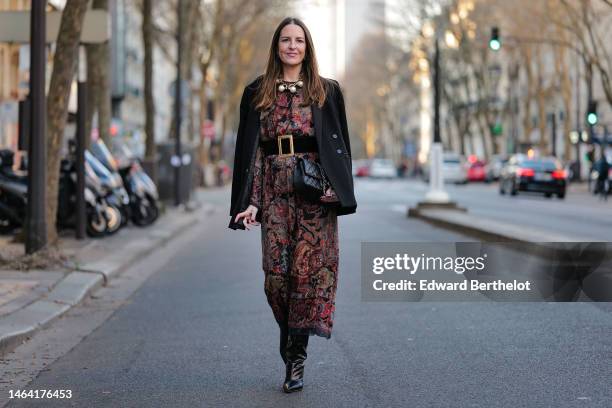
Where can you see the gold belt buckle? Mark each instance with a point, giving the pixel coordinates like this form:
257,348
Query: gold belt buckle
280,145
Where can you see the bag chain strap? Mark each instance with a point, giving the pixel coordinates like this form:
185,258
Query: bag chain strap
325,181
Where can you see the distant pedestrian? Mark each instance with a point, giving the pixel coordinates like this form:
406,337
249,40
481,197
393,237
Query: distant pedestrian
590,158
603,182
299,237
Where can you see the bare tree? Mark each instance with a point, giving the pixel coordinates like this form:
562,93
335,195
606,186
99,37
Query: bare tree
98,79
232,47
587,23
149,100
187,15
64,64
368,86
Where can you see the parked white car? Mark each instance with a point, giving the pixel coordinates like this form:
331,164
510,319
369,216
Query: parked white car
454,168
383,168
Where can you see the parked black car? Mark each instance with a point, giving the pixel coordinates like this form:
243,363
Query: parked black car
541,175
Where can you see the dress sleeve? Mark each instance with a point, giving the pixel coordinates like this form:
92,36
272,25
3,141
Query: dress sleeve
256,190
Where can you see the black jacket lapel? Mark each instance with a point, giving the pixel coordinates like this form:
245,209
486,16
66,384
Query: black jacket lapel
318,122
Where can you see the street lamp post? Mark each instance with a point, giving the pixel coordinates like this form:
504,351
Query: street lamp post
436,193
436,197
36,230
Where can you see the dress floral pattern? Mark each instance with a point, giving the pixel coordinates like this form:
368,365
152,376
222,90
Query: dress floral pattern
299,238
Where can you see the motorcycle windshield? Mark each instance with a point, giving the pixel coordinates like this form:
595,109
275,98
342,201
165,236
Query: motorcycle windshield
97,166
122,153
92,178
101,152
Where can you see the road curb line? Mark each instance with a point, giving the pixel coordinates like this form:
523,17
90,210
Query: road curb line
73,288
471,230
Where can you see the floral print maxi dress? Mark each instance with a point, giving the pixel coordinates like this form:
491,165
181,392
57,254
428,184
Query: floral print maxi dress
299,238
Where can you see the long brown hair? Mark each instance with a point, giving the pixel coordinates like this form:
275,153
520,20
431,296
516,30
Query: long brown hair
314,88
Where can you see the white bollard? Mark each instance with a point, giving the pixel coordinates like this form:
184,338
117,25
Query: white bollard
436,193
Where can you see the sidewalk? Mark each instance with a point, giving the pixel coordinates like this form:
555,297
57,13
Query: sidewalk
31,299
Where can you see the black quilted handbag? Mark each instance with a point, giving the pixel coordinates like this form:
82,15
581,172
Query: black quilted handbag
309,179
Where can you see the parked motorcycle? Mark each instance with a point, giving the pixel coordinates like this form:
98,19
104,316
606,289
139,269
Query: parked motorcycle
144,197
13,194
96,209
99,150
114,193
101,218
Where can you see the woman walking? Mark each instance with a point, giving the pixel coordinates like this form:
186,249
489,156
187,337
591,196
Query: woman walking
292,112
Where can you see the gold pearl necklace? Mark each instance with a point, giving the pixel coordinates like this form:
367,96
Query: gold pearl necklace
291,86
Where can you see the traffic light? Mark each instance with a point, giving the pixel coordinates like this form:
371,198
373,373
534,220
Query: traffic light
497,129
592,118
495,41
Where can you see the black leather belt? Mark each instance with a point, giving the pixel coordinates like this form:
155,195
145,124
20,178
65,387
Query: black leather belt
287,145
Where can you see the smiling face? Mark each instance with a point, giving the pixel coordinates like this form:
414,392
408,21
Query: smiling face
292,45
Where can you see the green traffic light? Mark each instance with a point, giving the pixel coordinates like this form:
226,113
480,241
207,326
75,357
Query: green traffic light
592,118
495,45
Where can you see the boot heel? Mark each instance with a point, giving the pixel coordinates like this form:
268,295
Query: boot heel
294,369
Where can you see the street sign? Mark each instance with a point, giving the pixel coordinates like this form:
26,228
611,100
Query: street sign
175,161
186,159
208,129
15,26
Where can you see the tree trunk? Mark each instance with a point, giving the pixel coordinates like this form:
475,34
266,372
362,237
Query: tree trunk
527,124
541,101
192,44
204,66
64,64
562,70
204,151
147,39
98,77
186,60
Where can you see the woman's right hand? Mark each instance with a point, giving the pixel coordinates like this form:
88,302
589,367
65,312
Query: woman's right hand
249,217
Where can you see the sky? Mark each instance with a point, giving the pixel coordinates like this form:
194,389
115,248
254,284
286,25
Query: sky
335,35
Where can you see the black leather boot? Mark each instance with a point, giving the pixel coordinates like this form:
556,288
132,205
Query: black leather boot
284,333
296,357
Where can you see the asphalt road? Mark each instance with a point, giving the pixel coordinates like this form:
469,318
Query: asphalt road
580,213
199,333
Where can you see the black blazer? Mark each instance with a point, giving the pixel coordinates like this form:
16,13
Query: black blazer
333,143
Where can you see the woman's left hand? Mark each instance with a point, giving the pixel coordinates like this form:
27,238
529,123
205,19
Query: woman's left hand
330,196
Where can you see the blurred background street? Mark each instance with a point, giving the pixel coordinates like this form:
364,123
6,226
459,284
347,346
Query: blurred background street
451,92
468,120
198,333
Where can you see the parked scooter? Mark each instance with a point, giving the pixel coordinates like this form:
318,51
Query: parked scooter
101,219
144,197
96,209
99,150
13,194
112,187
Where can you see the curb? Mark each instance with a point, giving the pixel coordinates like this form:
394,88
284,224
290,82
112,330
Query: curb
491,230
470,230
78,284
22,324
